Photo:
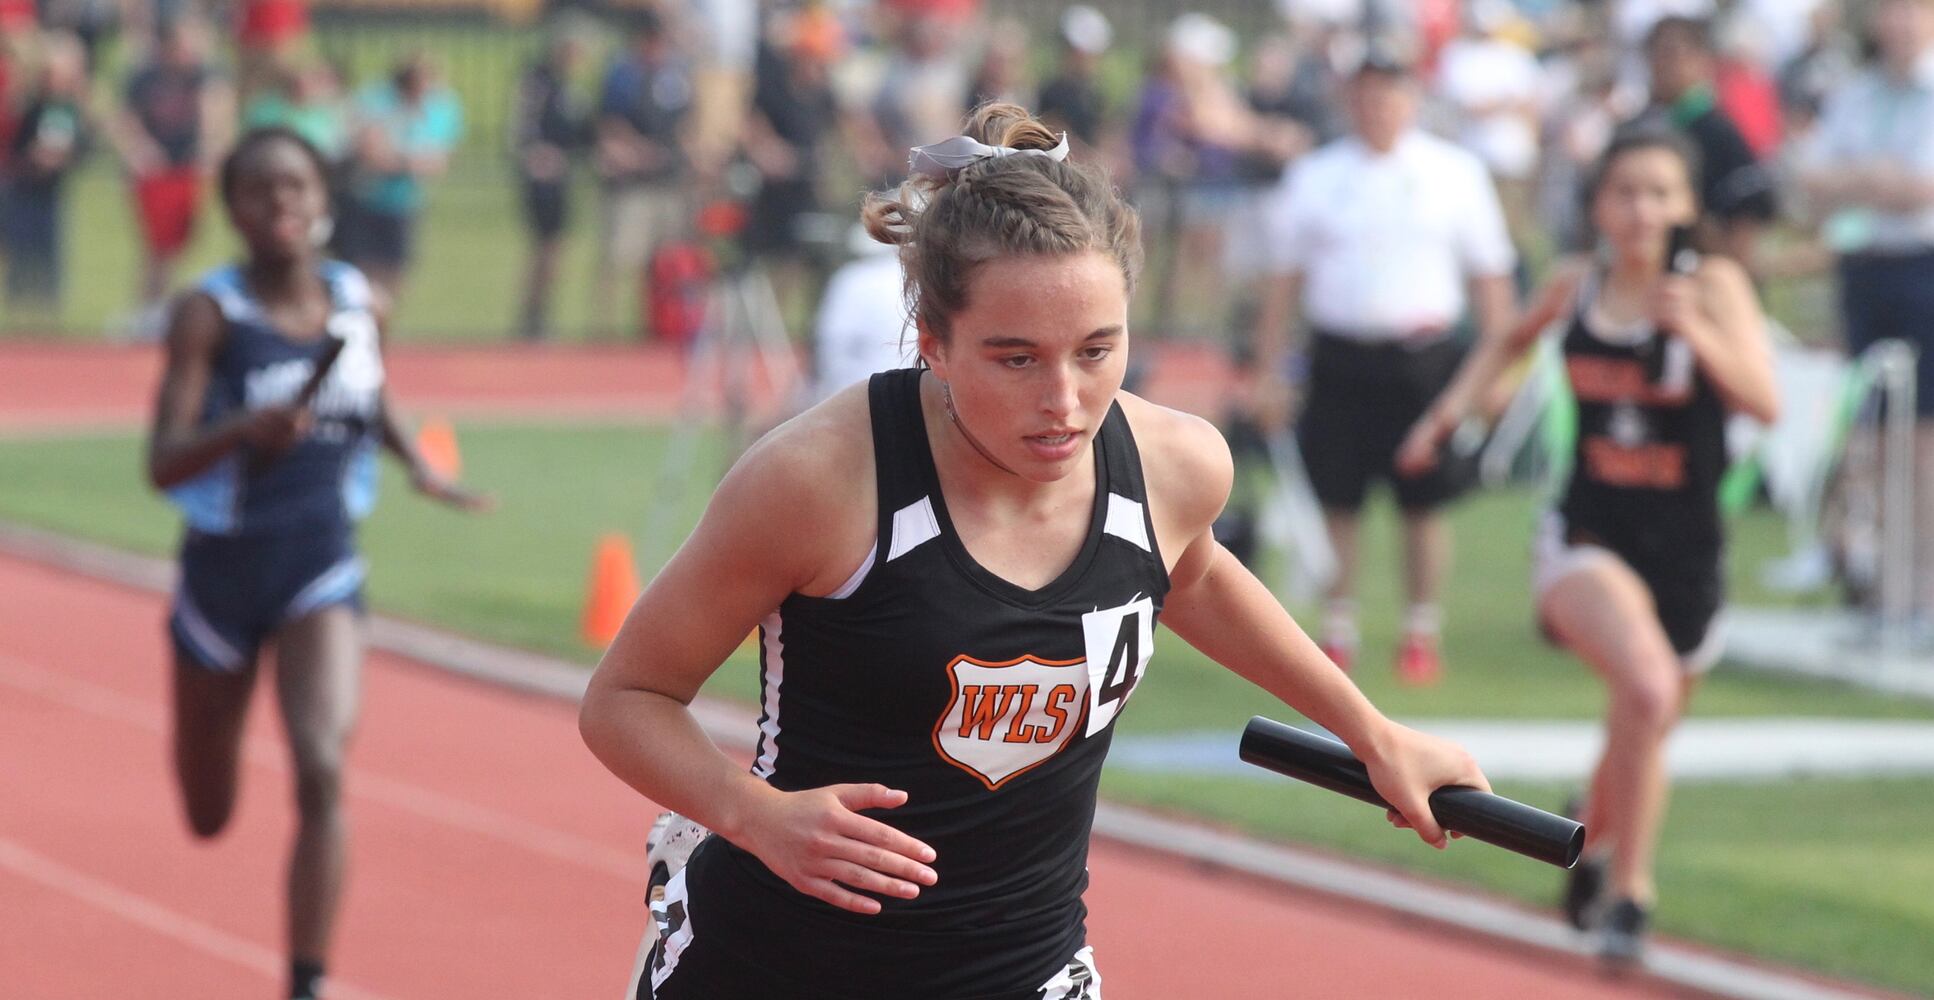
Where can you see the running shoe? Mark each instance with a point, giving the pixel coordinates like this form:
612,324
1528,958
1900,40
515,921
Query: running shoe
1418,662
670,844
1623,944
1584,890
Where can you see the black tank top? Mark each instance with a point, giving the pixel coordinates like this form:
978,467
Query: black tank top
991,705
1651,444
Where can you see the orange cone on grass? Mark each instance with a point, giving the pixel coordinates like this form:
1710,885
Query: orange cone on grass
436,441
613,589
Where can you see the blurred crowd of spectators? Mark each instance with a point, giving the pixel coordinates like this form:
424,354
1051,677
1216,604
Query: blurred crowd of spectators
788,108
719,133
186,89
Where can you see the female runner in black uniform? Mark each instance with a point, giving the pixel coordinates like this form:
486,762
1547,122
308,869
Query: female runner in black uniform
1628,565
956,571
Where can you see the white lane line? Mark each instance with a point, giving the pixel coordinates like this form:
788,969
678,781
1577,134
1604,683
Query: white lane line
404,796
141,911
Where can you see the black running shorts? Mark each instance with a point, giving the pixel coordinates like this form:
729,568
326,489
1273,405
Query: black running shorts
1363,399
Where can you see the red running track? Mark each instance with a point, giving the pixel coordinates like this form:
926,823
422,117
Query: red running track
493,857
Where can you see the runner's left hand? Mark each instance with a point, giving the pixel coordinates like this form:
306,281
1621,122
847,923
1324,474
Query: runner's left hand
428,483
1418,453
1406,766
1675,306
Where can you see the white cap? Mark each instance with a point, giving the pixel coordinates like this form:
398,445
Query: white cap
1325,13
1086,29
1201,38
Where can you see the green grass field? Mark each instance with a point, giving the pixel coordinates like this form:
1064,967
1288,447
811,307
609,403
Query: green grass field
1832,874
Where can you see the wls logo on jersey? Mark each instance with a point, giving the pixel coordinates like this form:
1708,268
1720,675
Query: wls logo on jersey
1005,718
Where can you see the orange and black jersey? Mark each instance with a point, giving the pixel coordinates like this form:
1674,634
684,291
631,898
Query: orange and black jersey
1651,427
990,704
1646,466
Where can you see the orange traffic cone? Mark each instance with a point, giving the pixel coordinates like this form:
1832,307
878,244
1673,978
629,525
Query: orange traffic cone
613,589
436,441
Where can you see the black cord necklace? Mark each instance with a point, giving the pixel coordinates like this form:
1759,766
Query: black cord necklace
947,397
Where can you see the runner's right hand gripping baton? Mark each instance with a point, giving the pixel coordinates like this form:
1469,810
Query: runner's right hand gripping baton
1496,820
332,346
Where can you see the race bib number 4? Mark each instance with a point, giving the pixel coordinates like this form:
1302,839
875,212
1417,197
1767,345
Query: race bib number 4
1119,642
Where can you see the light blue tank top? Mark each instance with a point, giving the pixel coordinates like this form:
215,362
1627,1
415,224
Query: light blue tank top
327,481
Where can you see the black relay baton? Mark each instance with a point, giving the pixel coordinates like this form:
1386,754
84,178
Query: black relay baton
332,347
1494,819
1681,258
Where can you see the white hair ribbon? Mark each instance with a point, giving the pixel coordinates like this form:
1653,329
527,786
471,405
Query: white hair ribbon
942,160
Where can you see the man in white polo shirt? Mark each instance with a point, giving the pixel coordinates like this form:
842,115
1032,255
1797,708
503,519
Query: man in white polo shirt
1384,238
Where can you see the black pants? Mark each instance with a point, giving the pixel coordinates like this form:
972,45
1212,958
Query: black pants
1363,398
1891,296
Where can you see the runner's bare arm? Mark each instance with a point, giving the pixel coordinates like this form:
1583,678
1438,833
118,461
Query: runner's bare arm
785,520
179,448
398,441
1495,353
1718,316
1216,605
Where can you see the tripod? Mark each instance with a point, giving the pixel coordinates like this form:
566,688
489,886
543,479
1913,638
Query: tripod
743,328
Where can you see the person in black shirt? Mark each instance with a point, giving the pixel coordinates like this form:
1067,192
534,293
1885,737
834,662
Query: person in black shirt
1657,353
642,157
549,128
792,109
955,571
1735,188
49,141
175,121
1071,100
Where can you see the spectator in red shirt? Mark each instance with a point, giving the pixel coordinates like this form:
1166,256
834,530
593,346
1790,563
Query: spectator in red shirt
174,121
265,33
1747,92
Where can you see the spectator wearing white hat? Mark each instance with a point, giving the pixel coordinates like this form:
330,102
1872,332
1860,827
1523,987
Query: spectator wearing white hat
1070,101
1384,237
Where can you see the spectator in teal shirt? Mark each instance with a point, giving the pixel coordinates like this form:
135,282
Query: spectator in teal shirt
306,99
405,130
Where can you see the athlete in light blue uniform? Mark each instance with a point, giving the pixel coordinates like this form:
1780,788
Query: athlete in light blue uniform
270,534
271,488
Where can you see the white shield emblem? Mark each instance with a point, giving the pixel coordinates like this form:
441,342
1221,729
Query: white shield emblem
1005,718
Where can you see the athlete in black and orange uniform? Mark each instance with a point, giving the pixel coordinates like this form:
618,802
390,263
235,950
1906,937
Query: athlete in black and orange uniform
956,571
1628,569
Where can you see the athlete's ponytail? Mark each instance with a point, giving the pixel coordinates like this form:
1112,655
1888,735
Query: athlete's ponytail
1005,189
